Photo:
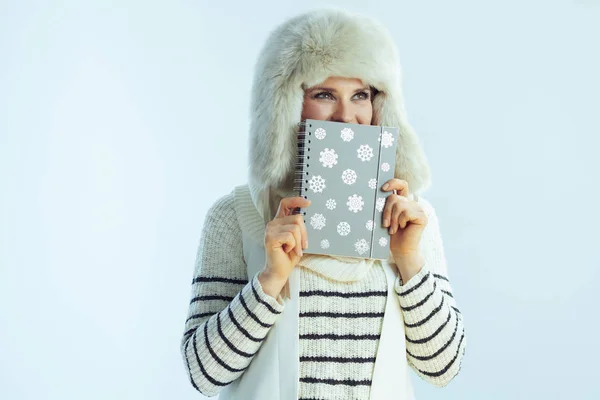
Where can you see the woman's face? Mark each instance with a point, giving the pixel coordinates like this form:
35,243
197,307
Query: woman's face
340,100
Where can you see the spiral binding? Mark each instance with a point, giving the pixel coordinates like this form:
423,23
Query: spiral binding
300,172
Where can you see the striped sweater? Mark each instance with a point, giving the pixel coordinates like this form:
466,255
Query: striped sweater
339,326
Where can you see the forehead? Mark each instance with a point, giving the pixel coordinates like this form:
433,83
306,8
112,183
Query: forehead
339,83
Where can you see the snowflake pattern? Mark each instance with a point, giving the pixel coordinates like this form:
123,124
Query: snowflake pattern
316,184
330,204
317,221
347,134
320,133
380,204
355,203
343,228
328,158
361,246
386,139
349,177
365,152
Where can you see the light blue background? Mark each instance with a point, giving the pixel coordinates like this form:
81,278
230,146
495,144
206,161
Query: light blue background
122,122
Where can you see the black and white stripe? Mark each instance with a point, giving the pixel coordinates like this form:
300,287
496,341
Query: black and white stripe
434,327
238,330
340,325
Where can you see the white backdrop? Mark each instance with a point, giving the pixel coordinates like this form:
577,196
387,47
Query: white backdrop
121,122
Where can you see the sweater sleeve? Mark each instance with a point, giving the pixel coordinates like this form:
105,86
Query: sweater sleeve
435,335
229,314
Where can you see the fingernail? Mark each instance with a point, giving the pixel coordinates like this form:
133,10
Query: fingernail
386,186
386,222
304,244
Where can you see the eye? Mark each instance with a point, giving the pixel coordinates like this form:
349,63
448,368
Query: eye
364,95
323,95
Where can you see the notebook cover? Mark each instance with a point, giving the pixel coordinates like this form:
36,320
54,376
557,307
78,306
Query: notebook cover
342,169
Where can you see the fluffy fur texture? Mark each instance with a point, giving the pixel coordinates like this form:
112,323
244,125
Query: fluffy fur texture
305,51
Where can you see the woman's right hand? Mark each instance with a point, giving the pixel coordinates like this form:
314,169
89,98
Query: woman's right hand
285,237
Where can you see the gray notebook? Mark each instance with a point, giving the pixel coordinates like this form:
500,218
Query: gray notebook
341,169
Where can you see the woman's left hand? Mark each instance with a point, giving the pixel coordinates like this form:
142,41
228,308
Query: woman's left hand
406,220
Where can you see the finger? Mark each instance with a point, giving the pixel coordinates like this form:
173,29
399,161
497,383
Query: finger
288,204
296,231
285,240
304,233
290,219
396,211
416,216
400,185
298,220
404,218
290,224
387,211
404,206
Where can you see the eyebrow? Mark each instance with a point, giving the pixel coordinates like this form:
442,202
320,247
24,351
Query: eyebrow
365,88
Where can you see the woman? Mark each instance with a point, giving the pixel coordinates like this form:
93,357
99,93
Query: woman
341,328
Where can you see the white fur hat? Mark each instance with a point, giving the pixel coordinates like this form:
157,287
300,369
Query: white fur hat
305,51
